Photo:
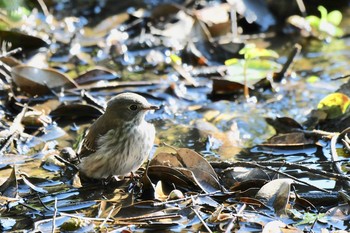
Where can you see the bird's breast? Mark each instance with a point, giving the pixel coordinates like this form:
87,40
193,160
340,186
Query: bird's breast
129,140
120,151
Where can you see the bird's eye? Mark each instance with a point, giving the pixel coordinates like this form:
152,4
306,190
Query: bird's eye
133,107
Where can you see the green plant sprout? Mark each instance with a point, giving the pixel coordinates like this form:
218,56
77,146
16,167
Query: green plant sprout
327,24
251,52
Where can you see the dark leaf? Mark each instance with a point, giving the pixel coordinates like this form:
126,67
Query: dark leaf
289,140
20,40
96,74
75,111
283,124
10,187
36,81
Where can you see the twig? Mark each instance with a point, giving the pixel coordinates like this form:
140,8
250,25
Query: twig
31,208
231,225
302,7
341,77
334,157
11,52
226,165
54,217
294,178
334,154
142,219
117,84
185,198
201,219
15,129
45,206
284,174
85,218
44,7
316,132
346,141
279,75
107,218
234,26
67,163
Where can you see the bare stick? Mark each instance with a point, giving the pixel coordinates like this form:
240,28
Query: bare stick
54,217
11,52
231,224
202,220
185,198
225,165
334,157
107,218
287,175
296,50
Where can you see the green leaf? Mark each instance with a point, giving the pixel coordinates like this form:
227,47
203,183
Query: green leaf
246,48
250,52
324,12
339,32
312,79
310,218
231,61
335,17
313,20
18,14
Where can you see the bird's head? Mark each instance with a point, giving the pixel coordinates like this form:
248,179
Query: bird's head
129,107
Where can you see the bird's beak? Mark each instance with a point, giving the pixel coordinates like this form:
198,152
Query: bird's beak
151,107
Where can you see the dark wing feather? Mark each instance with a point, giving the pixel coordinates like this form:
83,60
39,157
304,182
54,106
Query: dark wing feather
100,127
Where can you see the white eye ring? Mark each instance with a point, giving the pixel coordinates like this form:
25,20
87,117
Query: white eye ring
133,107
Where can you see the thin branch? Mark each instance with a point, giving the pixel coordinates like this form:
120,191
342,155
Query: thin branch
334,157
15,130
11,52
54,217
201,219
295,52
231,224
227,165
85,218
254,164
107,218
302,7
185,198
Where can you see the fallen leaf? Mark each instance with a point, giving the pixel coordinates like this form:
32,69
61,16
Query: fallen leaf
276,194
36,81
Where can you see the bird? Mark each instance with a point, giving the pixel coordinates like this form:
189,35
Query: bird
120,140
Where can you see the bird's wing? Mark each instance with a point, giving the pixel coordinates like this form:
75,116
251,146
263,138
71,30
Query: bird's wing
97,129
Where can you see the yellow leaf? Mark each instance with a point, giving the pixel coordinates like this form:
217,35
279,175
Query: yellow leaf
334,104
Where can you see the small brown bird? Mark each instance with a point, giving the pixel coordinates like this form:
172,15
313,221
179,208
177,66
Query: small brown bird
120,140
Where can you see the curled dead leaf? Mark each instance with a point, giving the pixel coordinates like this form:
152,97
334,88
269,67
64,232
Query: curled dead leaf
189,165
37,81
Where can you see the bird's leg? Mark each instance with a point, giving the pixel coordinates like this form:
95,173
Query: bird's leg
110,180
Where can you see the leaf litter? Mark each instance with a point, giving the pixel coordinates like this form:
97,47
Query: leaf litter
225,168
